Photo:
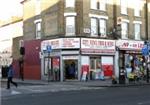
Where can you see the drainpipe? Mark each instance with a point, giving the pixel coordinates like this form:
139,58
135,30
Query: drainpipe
146,27
146,19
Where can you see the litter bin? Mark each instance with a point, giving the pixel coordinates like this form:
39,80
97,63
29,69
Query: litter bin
122,78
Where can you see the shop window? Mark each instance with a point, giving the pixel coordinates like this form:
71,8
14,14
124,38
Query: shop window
92,63
47,64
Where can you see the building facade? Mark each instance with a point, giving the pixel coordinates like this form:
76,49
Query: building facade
8,31
87,34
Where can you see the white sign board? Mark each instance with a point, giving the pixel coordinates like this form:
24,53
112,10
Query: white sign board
70,43
97,45
129,44
61,43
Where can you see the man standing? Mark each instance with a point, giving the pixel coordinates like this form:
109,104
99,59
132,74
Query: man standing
10,75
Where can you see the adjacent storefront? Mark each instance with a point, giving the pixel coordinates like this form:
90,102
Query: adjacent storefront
130,56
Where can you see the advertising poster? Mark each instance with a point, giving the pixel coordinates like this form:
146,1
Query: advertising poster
107,65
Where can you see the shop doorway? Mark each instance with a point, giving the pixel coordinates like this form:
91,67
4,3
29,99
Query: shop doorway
70,69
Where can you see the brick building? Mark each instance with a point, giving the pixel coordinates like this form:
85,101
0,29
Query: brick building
93,34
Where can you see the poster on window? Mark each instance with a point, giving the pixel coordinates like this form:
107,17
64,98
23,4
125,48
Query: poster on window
55,63
107,65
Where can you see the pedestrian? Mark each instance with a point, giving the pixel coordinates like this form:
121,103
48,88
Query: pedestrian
10,75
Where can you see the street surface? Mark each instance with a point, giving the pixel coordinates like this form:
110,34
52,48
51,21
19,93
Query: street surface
132,95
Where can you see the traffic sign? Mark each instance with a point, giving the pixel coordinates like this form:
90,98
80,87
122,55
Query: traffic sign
144,52
49,49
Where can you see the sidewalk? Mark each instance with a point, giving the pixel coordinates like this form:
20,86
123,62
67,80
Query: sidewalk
93,83
39,86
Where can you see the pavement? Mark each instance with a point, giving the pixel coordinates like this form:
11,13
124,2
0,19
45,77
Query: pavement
38,86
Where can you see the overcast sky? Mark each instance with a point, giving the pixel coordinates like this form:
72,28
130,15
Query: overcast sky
10,8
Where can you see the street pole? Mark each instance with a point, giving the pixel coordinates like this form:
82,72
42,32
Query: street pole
48,68
148,61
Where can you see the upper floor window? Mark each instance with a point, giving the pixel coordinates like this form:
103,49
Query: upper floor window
102,26
70,25
124,6
70,3
124,28
94,4
98,27
38,7
94,27
102,5
38,30
98,4
137,31
137,8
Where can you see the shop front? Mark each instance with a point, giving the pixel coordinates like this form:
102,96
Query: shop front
130,56
98,56
63,61
75,58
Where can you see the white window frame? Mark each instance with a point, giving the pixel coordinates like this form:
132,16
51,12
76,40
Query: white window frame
137,12
124,6
94,27
137,8
38,7
70,25
102,28
124,28
137,31
93,4
102,5
38,30
70,3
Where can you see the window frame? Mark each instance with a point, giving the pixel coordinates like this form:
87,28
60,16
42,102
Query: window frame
137,35
38,30
99,27
124,7
38,7
102,3
126,31
74,26
95,27
94,4
104,28
69,3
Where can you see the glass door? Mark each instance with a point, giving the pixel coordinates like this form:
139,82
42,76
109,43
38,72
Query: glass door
95,67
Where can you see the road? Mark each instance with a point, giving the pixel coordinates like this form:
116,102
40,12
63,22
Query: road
133,95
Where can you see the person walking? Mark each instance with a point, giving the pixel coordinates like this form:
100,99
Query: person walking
10,75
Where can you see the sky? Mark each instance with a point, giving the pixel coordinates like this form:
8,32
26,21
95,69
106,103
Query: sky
10,8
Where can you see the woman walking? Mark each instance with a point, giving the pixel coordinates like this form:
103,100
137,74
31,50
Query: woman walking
10,75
